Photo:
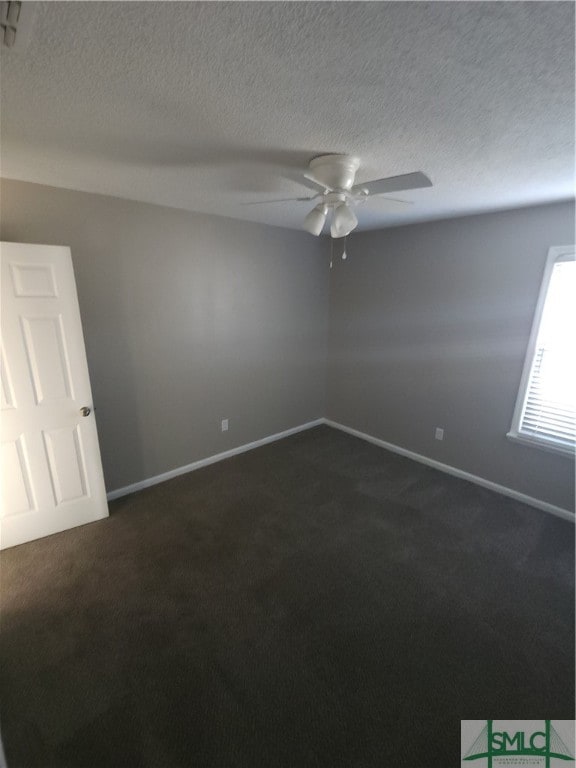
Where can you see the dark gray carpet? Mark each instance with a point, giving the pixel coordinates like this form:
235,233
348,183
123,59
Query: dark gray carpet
317,602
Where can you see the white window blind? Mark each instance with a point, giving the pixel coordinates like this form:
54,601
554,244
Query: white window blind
547,398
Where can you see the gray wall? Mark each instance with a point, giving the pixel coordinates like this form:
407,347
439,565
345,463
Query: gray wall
188,319
429,326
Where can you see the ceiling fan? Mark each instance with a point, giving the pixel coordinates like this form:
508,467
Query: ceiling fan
334,175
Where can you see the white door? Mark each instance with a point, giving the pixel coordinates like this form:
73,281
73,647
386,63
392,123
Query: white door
51,470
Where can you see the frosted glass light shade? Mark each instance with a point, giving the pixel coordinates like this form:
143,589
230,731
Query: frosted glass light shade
314,222
344,221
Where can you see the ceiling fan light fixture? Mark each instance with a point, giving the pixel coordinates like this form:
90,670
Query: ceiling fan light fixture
314,222
344,221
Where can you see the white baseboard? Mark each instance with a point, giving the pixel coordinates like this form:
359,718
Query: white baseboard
543,505
209,460
502,489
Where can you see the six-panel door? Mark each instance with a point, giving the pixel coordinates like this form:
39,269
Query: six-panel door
51,469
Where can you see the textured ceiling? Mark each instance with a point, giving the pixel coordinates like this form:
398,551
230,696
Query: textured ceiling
206,106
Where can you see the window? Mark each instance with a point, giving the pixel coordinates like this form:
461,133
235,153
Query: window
545,413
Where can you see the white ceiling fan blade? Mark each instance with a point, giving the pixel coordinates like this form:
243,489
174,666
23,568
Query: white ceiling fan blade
316,184
416,180
282,200
390,202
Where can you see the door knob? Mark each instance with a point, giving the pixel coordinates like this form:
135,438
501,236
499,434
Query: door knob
85,411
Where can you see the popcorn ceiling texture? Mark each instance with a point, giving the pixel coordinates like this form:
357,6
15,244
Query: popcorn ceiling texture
206,106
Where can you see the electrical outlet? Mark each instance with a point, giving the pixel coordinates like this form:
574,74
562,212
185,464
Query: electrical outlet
224,425
439,434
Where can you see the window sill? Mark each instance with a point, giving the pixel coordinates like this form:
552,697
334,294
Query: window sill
546,445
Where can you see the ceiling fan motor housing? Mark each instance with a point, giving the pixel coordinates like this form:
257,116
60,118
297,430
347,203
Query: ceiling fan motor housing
335,171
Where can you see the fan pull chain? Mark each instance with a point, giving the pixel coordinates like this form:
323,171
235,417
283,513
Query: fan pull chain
331,251
344,254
